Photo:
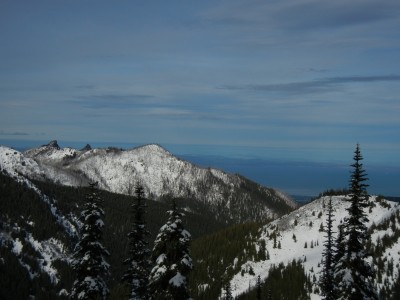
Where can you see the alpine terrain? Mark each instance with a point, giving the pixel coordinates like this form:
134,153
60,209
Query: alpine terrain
43,190
228,196
247,241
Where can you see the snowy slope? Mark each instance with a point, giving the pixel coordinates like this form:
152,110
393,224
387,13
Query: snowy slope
22,169
37,256
302,227
49,250
161,173
15,163
118,171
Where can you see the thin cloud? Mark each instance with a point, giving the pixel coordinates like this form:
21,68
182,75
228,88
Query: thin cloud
167,112
112,101
363,79
314,86
335,14
15,133
305,23
315,70
86,87
302,15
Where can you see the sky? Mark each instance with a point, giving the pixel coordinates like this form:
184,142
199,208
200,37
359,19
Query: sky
287,79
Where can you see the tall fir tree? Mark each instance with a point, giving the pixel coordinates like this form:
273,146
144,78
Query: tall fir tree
89,254
138,263
353,272
169,277
327,282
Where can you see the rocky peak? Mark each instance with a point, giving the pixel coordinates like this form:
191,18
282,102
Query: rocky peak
53,144
87,148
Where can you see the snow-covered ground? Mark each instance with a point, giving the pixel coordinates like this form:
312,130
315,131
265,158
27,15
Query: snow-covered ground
15,163
301,239
49,251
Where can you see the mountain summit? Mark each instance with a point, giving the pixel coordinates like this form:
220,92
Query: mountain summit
53,144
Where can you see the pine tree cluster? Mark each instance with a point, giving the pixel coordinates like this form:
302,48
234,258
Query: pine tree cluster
170,257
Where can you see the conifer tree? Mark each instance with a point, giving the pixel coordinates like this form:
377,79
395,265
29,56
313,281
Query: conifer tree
354,274
169,277
269,294
259,294
138,262
228,291
340,250
327,278
89,254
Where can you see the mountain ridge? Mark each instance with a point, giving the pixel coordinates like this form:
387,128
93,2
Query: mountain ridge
162,175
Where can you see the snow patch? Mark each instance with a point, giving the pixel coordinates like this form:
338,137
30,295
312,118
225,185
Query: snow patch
178,280
17,247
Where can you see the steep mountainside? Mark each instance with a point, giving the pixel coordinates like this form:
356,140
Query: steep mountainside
38,226
228,196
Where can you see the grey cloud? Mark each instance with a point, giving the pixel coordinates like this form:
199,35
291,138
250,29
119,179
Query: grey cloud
314,86
315,70
86,87
166,112
336,13
16,133
112,101
363,79
300,15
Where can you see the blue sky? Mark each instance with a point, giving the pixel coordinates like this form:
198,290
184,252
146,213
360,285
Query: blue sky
299,79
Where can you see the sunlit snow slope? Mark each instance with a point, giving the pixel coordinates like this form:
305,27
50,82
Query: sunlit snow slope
300,237
161,174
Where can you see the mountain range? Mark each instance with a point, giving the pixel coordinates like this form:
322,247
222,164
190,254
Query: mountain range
228,196
42,191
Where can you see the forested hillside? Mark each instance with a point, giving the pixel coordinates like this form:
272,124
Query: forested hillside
36,248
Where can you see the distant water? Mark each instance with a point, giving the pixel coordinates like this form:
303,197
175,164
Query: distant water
304,180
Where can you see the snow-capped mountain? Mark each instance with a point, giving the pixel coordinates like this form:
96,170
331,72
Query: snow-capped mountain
300,236
161,173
